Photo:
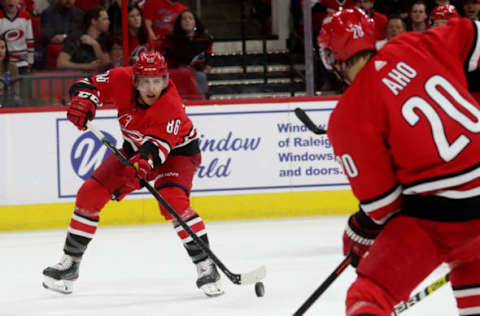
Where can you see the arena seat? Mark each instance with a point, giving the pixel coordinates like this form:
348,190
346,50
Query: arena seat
184,80
51,88
53,50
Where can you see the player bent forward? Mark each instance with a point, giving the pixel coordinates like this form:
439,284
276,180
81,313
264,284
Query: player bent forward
410,148
159,140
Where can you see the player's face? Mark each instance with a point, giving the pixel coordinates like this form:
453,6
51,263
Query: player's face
134,19
150,88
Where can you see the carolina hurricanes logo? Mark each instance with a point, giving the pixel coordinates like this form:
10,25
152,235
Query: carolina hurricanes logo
125,119
13,35
134,135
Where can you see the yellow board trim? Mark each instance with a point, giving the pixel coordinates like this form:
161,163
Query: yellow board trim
227,207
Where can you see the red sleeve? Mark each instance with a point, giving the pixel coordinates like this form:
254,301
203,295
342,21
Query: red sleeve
359,146
111,85
463,38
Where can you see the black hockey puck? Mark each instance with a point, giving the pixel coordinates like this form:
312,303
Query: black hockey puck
259,289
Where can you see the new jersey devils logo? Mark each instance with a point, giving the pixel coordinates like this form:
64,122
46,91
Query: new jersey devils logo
88,153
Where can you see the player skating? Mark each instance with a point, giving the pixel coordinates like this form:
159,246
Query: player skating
160,141
407,133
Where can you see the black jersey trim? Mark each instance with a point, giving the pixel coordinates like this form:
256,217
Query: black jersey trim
381,196
475,46
190,149
441,209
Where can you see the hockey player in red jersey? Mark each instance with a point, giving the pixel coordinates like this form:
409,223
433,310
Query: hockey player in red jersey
159,140
407,133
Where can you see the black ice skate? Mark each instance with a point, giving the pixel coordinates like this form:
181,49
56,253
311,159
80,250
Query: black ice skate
60,277
208,278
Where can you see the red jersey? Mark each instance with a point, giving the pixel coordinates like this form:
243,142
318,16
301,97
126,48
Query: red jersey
408,125
163,15
164,124
380,25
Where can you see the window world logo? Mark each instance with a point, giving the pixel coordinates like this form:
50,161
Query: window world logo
88,153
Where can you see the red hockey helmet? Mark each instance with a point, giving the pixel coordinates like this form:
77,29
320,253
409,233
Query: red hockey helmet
345,33
150,64
444,12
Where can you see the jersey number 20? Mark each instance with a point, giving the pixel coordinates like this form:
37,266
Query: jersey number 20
446,150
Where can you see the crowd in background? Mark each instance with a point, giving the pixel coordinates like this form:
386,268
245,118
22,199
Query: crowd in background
391,17
86,35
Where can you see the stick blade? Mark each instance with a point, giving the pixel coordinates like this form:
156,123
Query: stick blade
305,119
253,276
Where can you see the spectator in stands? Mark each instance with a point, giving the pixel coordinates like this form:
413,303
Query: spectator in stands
379,18
87,51
190,45
395,26
471,9
16,27
442,13
320,9
59,20
138,35
418,17
9,82
394,7
116,55
160,15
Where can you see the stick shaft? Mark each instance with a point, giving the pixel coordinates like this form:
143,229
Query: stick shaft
403,306
326,284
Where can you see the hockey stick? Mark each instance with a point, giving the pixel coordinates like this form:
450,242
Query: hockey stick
240,279
401,307
349,259
302,116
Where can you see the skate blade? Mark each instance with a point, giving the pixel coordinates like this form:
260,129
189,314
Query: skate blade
60,286
212,289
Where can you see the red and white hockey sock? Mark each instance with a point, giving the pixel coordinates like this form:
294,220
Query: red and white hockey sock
465,279
81,230
196,224
91,198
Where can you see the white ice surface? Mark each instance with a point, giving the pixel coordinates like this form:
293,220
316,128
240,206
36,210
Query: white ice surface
144,270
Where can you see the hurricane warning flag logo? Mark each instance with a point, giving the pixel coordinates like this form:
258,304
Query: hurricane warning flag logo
88,153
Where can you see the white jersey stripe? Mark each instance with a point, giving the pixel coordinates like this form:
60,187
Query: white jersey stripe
473,62
443,183
373,206
384,219
452,194
466,292
469,311
157,142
